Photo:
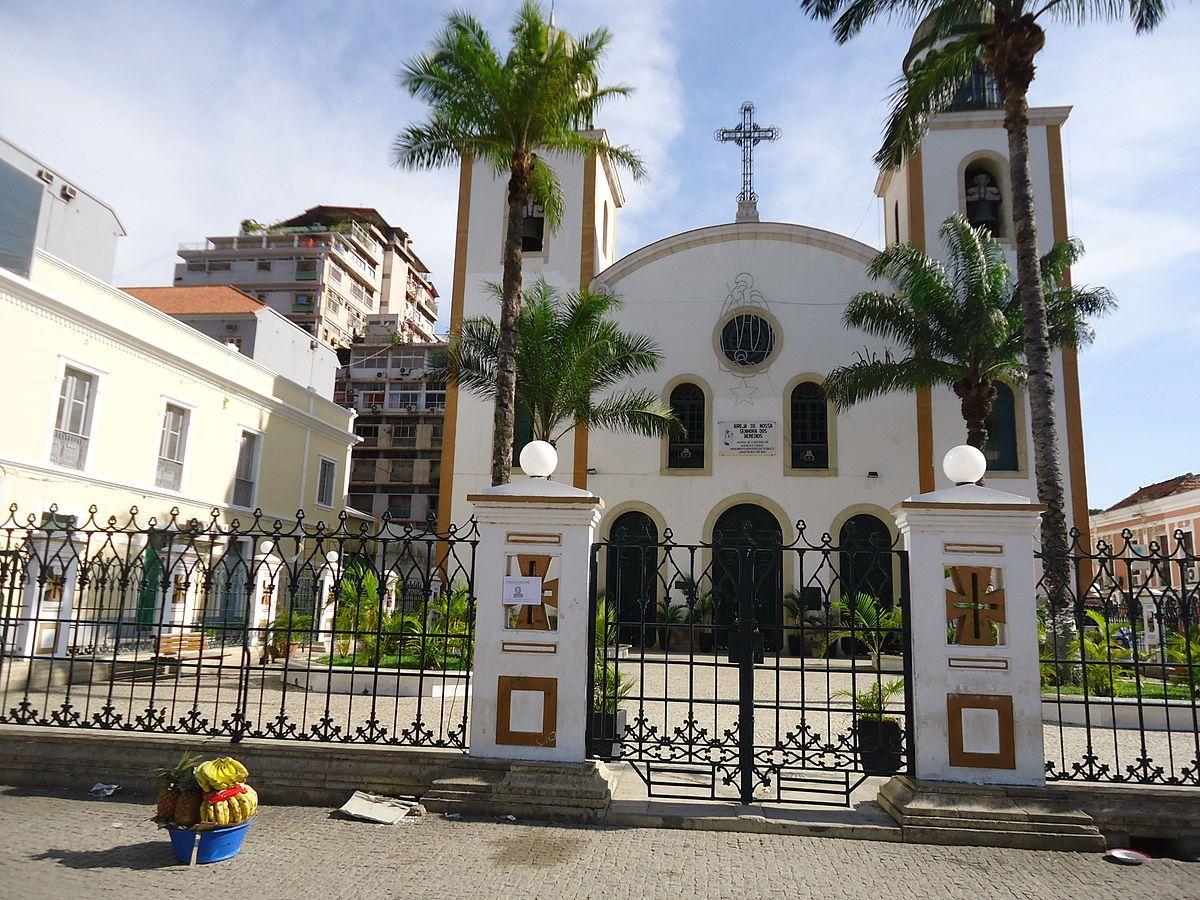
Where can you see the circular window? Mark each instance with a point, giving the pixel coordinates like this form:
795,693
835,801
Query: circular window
747,340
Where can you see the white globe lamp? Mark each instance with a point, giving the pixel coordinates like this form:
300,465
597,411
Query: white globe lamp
539,459
266,548
964,464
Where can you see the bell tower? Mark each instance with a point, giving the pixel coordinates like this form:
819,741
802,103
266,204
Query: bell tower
584,244
961,165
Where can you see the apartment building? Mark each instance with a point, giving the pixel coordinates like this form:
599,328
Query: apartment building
397,467
248,325
327,269
40,209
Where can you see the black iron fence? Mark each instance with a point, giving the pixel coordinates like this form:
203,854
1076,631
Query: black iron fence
750,670
348,632
1119,628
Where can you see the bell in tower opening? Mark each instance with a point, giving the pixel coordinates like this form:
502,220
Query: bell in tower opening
983,199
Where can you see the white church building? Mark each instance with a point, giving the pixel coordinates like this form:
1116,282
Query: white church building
748,316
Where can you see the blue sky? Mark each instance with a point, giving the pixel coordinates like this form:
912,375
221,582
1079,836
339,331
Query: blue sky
189,117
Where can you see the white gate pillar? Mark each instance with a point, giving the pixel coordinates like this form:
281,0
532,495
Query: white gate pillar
977,709
267,567
529,687
48,597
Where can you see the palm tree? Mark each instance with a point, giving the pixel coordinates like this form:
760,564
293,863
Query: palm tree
568,352
509,110
1002,37
959,323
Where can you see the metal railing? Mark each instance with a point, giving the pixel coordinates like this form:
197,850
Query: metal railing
67,449
1120,662
169,474
712,682
315,632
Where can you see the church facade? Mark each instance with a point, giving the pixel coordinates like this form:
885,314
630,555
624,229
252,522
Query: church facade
748,316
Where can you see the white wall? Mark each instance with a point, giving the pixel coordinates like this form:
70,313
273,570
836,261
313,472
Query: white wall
83,230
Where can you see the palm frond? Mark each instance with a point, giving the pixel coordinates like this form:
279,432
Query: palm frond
633,411
874,376
928,88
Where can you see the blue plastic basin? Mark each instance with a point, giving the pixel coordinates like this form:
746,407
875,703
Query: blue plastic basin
215,845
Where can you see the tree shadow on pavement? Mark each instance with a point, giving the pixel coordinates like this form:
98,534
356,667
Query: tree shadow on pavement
134,857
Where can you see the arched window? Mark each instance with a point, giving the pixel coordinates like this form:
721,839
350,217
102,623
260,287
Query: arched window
631,578
984,199
865,563
1001,449
686,450
810,427
522,433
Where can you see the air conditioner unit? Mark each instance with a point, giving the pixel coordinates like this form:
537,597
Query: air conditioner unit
375,407
403,371
67,193
381,374
408,407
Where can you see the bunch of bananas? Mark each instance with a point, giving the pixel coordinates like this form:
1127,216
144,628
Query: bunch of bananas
220,774
231,806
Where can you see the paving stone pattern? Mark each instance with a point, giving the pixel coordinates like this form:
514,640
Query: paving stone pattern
60,846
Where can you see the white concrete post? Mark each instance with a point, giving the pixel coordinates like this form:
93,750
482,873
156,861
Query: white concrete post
529,687
48,608
326,601
977,709
183,586
268,567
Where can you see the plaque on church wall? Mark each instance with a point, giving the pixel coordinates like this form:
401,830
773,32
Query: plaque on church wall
742,438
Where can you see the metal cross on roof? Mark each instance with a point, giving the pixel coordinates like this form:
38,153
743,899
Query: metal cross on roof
746,135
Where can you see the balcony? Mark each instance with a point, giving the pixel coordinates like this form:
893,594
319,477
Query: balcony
243,492
169,474
68,450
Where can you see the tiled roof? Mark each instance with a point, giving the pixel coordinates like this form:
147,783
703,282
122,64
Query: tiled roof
217,299
1169,488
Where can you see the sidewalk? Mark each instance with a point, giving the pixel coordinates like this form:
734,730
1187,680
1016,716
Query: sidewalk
57,844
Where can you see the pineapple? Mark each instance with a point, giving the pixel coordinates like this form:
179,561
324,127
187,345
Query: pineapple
178,782
187,808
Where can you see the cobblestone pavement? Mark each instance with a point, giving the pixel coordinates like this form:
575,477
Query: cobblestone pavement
55,846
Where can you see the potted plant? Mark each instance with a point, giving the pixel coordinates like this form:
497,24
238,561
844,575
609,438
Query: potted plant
878,737
702,613
290,632
801,604
608,718
207,808
673,628
865,621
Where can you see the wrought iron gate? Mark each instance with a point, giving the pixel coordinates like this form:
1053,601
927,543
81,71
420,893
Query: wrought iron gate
713,682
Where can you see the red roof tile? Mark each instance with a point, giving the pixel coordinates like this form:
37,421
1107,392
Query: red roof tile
214,299
1169,488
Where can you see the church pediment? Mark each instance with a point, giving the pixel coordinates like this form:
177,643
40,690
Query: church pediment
731,232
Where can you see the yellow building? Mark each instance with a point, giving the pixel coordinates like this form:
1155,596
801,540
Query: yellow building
111,403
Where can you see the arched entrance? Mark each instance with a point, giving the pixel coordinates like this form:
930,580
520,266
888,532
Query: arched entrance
631,577
866,559
748,535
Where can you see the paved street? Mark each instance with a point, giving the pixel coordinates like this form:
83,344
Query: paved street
55,846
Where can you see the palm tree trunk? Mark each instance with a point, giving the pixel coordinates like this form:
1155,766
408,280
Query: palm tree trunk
504,416
977,399
1012,59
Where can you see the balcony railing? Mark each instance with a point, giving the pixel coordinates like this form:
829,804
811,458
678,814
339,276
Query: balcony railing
169,474
243,492
68,450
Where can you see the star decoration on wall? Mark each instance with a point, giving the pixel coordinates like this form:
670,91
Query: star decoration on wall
743,393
